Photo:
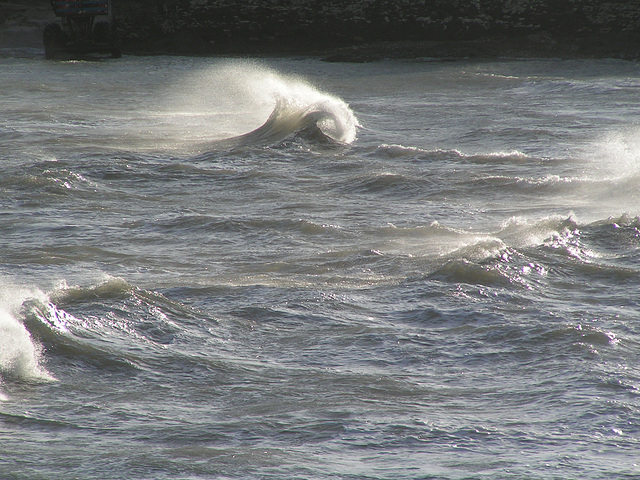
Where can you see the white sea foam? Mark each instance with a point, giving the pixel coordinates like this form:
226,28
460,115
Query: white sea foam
20,354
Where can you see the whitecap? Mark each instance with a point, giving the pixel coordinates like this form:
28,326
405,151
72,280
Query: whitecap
20,354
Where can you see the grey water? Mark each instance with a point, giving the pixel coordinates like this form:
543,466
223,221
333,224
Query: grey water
284,268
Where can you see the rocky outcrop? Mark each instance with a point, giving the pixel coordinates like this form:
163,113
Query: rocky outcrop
363,29
588,27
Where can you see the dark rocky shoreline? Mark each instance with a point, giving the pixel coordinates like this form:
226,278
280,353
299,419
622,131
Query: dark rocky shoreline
368,30
364,30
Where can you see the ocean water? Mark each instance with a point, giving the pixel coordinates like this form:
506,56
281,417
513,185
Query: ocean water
290,269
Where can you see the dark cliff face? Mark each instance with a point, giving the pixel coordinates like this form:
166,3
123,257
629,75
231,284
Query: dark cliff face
442,27
232,26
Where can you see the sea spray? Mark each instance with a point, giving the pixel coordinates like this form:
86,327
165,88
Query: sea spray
609,180
617,155
20,354
295,95
259,106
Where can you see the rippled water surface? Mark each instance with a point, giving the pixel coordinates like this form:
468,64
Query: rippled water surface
218,268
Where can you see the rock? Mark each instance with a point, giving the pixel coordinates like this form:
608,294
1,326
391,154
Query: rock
365,30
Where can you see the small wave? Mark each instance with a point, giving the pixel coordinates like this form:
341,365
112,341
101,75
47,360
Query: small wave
521,232
396,184
399,151
433,230
433,245
523,251
492,258
58,182
624,220
605,247
109,325
465,271
62,333
308,227
514,156
109,288
504,257
383,181
579,334
393,151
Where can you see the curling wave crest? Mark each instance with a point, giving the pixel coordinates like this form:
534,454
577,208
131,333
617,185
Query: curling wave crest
297,108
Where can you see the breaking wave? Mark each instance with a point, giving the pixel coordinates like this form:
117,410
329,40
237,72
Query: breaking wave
329,119
297,108
109,326
21,356
32,324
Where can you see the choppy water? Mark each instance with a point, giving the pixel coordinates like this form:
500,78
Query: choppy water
216,269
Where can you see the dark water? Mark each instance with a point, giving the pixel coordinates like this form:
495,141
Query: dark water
216,269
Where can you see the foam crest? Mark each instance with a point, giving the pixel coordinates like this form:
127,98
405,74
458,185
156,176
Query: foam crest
520,232
20,354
